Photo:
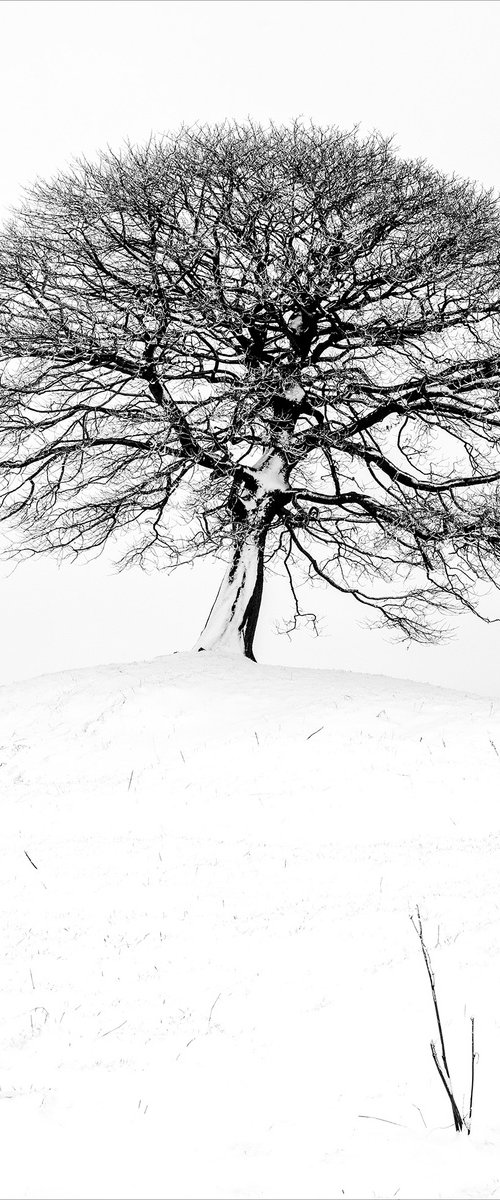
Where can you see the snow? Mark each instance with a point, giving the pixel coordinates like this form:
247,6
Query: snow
211,984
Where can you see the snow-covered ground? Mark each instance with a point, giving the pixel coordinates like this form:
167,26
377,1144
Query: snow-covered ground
211,986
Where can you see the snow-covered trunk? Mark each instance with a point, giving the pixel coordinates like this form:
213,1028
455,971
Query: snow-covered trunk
233,618
257,496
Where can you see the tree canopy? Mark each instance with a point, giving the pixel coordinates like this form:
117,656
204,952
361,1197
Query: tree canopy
276,345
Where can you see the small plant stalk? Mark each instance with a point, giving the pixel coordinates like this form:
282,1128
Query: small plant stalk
461,1121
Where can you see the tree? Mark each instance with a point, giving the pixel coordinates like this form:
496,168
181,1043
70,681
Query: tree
278,346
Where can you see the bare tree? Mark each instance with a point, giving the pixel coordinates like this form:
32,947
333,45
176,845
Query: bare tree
273,345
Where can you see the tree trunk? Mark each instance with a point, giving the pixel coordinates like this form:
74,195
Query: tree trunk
257,496
232,621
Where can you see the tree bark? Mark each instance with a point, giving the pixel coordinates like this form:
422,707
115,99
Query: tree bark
257,495
232,620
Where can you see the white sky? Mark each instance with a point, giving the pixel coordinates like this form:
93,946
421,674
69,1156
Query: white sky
80,74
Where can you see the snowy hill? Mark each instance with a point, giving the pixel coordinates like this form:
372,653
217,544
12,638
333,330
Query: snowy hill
211,985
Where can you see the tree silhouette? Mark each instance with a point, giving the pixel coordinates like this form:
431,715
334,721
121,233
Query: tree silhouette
278,346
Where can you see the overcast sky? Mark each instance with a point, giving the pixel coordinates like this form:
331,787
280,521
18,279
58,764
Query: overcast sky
82,74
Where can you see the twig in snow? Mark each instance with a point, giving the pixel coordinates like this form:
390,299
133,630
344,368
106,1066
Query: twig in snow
130,780
31,860
430,973
446,1082
256,738
494,747
314,732
114,1029
421,1114
213,1006
442,1064
189,1043
40,1020
473,1059
368,1117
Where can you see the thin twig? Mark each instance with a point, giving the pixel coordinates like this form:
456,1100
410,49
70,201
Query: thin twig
368,1117
432,982
419,1110
473,1059
213,1006
441,1067
446,1081
113,1030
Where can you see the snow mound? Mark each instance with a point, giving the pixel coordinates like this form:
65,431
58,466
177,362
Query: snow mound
211,985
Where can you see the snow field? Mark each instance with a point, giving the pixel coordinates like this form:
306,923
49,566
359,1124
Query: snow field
211,986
